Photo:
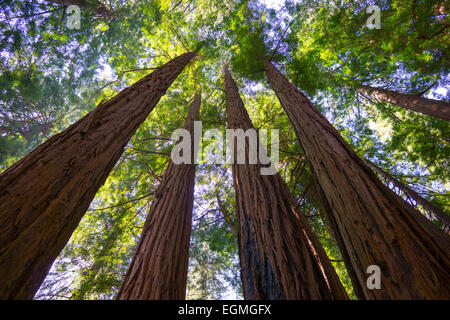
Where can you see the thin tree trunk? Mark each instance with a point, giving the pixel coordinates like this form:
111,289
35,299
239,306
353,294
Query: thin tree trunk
160,263
435,108
281,258
376,226
44,196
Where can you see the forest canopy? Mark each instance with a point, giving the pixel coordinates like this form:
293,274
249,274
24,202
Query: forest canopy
370,83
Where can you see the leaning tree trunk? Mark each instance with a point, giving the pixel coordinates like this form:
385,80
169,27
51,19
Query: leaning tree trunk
44,196
410,194
375,225
435,108
159,267
315,194
281,258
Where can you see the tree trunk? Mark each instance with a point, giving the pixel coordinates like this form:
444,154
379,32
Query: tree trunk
44,196
435,108
317,196
375,225
159,267
430,208
281,258
99,9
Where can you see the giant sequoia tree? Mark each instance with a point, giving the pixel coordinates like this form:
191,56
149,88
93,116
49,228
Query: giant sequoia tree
45,194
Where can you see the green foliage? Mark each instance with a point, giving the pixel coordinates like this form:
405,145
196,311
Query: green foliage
332,53
249,49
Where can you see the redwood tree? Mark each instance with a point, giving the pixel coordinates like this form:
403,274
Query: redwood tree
315,194
44,195
159,266
280,256
435,108
430,208
376,226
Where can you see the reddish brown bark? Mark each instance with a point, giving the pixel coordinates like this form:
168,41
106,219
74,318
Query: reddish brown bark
375,225
44,195
435,108
159,267
315,194
281,258
430,208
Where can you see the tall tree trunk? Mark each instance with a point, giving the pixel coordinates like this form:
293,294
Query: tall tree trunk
159,267
44,196
281,258
435,108
376,226
430,208
317,196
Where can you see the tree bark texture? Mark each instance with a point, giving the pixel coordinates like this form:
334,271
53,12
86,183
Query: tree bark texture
99,8
435,108
430,208
44,195
376,227
159,267
317,196
281,258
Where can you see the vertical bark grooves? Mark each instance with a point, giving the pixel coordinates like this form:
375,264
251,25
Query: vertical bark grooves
410,193
316,194
159,266
281,258
44,195
435,108
375,225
